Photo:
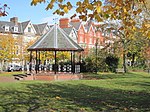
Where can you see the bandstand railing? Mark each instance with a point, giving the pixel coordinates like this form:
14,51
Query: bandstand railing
65,68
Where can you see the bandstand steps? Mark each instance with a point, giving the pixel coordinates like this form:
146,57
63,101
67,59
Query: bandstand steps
19,76
28,74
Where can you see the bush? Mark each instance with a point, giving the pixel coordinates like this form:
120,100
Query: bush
90,62
112,62
105,62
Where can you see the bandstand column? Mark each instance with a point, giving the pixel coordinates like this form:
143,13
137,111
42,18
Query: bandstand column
30,63
39,61
36,63
73,62
55,66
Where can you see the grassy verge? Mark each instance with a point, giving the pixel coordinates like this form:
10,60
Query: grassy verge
112,92
8,74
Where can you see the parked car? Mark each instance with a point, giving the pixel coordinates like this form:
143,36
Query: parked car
14,67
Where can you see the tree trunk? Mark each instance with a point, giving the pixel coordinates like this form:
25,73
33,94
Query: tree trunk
124,62
124,57
0,66
133,58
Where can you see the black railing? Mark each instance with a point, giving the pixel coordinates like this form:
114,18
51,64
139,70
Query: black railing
68,68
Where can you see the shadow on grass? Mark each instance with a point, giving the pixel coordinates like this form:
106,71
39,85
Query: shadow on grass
60,97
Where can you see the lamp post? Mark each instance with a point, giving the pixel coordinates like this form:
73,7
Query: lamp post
96,44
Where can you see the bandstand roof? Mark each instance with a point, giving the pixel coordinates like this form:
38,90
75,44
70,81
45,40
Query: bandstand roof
55,40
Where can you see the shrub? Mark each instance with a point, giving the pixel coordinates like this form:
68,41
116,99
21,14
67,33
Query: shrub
112,62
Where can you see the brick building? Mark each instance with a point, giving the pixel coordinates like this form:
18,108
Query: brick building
23,31
87,34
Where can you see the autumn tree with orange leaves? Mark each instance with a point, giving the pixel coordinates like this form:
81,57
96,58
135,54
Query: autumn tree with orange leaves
7,48
3,9
124,17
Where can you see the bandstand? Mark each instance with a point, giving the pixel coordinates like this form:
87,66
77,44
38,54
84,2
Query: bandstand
55,40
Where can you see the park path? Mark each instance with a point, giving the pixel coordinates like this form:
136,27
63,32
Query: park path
7,79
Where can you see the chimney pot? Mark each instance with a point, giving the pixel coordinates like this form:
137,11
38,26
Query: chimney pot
14,20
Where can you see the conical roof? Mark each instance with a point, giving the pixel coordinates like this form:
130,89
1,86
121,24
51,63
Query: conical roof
55,40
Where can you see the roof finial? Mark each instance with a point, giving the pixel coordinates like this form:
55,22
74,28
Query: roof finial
55,20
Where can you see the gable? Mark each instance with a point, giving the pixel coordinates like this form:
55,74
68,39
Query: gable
46,29
29,28
73,35
81,29
91,30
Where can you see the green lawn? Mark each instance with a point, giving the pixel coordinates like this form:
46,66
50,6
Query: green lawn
8,74
103,92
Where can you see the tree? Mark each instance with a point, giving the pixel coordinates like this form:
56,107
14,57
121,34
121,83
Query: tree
91,8
112,62
125,15
120,15
26,52
3,11
136,47
19,46
7,48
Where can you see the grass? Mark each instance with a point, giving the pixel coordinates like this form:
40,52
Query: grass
105,92
8,74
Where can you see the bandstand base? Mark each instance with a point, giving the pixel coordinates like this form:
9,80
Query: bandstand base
52,76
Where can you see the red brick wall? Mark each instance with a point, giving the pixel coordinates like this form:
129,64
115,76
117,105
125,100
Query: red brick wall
52,77
68,77
81,35
100,37
45,77
64,23
84,37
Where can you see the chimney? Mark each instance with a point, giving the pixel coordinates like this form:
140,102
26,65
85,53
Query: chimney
14,20
64,23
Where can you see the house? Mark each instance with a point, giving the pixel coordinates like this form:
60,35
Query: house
23,32
87,33
71,32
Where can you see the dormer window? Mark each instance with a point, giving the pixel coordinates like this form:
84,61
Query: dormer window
6,28
15,28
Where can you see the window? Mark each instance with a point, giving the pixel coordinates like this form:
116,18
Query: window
6,28
29,29
81,39
15,28
90,40
17,51
91,34
72,34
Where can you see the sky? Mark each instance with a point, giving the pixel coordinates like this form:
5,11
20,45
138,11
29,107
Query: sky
24,11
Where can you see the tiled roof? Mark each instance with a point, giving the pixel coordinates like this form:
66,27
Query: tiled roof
24,24
76,25
88,25
68,30
11,26
55,40
36,29
39,28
